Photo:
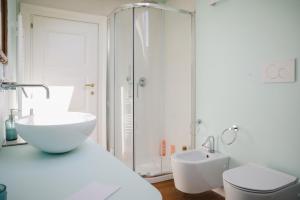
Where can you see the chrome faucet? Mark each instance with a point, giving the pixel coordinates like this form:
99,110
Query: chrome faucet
210,141
13,86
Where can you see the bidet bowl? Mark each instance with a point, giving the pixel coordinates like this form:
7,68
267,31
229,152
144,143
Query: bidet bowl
56,133
198,171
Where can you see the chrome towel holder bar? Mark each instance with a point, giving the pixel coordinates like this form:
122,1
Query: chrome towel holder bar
234,130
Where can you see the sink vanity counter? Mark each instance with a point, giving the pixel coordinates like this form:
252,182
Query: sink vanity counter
30,174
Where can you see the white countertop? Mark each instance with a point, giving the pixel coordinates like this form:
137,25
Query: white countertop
30,174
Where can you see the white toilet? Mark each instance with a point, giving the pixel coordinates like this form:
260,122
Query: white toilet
254,182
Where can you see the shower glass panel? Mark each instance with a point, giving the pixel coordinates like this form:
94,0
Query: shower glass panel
149,102
150,86
123,87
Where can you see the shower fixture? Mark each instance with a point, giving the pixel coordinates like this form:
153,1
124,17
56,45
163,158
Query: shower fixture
150,86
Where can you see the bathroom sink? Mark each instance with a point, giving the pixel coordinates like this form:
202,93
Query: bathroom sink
198,170
56,133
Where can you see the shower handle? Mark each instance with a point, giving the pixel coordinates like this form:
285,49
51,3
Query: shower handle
140,83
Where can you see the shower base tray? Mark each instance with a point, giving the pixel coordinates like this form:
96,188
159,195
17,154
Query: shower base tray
158,178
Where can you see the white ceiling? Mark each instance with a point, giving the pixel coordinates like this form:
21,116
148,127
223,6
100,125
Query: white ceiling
97,7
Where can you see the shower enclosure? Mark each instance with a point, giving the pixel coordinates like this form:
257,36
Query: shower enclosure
150,94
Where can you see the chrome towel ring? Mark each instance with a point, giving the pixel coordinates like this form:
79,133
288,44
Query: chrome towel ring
234,130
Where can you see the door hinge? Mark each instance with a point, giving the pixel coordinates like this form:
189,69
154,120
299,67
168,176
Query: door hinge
31,25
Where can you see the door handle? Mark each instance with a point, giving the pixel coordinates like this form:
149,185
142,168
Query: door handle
89,85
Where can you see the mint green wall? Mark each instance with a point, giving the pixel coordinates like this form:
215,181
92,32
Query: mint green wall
9,70
161,1
235,39
12,37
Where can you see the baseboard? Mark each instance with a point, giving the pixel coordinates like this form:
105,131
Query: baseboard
219,191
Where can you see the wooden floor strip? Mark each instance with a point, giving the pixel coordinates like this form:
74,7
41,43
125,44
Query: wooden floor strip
169,192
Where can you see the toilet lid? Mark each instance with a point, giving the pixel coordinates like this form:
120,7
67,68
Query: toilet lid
258,179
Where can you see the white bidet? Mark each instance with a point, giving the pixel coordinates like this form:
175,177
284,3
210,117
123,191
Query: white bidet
198,171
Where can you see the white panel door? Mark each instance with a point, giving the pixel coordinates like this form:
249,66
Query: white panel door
65,57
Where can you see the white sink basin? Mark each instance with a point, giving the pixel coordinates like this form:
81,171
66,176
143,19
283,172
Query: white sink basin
198,171
56,133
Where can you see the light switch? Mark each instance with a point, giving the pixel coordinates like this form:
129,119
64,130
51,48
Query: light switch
280,72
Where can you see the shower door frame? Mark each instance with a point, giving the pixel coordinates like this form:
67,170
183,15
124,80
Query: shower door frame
110,52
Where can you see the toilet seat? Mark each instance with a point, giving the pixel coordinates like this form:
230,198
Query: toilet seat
253,191
258,179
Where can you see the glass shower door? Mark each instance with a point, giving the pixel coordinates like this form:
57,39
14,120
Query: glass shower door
123,87
149,97
162,88
148,90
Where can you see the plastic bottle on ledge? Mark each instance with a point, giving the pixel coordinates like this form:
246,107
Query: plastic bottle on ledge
10,127
172,149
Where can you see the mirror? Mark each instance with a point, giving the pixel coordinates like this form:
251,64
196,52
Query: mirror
3,32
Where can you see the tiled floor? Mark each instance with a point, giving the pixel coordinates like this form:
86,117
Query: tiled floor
169,192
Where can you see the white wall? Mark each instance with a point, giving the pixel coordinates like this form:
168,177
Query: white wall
235,39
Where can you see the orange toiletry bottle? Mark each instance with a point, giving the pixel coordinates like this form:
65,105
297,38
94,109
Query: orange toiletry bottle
172,149
163,148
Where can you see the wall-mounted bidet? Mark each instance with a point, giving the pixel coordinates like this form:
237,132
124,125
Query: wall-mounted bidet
56,133
198,171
